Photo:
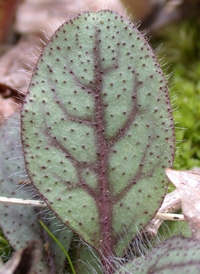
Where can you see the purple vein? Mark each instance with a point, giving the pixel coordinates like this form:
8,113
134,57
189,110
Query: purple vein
128,228
154,269
115,63
77,164
67,115
122,131
87,88
134,180
104,202
80,184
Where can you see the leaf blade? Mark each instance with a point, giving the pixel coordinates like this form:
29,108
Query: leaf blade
90,117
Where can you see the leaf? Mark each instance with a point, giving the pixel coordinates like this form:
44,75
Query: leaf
168,229
176,255
97,130
20,223
16,66
188,186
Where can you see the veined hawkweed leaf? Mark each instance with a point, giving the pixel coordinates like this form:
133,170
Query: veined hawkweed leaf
97,129
176,255
20,224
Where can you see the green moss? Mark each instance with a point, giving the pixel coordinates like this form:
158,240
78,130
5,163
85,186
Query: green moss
181,47
5,248
188,116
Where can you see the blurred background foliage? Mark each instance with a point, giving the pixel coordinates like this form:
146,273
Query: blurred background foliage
181,50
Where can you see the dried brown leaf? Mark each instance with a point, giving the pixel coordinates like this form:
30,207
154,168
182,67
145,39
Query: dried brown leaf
15,63
23,261
7,108
188,186
51,13
171,204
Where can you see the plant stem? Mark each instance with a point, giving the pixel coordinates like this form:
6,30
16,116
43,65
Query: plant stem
159,215
17,201
170,216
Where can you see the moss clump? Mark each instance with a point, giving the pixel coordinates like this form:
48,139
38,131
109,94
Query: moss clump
181,47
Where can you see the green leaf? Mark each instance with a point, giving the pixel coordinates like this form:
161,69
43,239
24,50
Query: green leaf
18,222
176,255
97,129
